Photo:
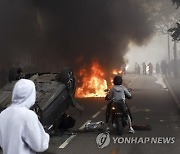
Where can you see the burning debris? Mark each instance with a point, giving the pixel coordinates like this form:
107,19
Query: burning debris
93,82
116,72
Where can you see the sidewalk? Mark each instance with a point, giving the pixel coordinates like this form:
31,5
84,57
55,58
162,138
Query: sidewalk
174,88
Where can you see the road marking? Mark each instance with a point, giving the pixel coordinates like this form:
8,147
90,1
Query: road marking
50,127
67,142
82,127
95,115
172,93
103,108
62,146
88,121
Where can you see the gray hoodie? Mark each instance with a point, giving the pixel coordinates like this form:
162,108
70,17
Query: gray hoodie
20,130
118,92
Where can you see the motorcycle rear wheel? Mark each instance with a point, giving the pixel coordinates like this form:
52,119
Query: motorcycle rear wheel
119,126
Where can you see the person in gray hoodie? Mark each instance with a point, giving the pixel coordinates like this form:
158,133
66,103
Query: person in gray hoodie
20,130
118,94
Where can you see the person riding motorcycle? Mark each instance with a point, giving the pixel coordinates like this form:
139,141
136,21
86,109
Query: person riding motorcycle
117,94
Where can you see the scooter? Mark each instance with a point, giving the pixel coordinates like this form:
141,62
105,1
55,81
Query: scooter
116,116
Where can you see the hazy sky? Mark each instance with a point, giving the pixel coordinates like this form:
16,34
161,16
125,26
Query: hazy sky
154,51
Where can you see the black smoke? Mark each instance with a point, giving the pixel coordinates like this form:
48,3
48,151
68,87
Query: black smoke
47,35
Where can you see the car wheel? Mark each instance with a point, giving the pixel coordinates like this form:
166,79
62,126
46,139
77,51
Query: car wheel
37,110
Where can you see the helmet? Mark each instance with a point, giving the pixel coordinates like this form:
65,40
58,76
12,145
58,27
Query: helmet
117,80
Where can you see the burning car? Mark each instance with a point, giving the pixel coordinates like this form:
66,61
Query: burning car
55,94
95,80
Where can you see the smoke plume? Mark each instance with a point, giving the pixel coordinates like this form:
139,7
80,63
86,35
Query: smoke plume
50,34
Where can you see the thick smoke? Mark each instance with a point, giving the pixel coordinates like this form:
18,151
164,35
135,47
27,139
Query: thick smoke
50,34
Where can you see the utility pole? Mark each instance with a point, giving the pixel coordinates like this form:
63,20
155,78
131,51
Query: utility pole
168,50
168,54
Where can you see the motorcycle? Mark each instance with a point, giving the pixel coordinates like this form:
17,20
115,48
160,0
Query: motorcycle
116,117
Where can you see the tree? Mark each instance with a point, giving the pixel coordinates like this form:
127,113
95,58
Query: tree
163,14
175,31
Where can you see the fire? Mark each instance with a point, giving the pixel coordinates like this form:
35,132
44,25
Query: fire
116,72
93,82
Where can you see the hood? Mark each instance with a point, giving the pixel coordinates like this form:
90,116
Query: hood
118,88
24,93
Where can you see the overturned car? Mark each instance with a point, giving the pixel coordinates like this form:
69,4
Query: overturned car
55,94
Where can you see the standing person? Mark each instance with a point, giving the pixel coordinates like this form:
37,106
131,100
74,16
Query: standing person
4,74
164,67
144,67
124,68
20,130
157,68
138,69
135,67
150,69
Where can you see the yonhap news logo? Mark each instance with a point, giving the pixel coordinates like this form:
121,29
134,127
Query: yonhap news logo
103,140
144,140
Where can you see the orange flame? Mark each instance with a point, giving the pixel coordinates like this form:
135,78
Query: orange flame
93,82
116,72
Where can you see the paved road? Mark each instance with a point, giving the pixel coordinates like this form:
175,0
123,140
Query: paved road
151,104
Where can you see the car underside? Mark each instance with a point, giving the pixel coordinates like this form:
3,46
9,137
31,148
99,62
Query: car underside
54,94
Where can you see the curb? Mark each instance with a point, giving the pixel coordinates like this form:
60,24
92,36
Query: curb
171,91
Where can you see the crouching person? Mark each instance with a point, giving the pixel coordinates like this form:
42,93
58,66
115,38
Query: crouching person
20,130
